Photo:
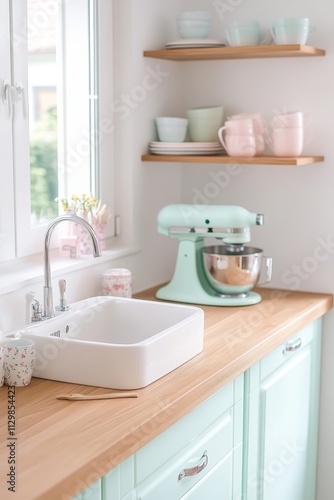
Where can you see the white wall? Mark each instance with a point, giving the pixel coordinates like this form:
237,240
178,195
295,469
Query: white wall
297,201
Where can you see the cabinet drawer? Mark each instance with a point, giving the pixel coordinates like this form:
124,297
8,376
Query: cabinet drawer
180,434
285,351
164,483
216,484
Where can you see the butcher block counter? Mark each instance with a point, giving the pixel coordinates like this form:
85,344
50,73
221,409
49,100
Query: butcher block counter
60,447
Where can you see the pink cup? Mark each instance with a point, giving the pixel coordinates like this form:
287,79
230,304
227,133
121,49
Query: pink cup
287,141
239,145
258,126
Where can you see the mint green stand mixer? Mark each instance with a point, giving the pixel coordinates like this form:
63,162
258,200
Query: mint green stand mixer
218,275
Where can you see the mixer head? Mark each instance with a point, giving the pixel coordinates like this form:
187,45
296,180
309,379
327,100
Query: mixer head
230,223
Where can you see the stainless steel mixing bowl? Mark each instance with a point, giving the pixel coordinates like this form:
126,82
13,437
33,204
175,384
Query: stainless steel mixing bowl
230,271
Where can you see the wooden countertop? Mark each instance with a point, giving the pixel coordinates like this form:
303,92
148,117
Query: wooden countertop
63,446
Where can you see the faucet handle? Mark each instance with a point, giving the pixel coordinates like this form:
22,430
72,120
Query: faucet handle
36,311
62,301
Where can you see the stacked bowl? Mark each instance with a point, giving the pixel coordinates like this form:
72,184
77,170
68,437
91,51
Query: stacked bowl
196,24
287,134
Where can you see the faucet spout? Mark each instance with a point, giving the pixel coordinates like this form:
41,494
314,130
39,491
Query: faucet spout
48,311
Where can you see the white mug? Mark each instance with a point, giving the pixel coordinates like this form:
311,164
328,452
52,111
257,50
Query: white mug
19,360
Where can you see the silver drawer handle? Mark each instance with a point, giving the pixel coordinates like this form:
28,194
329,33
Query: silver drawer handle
192,471
293,347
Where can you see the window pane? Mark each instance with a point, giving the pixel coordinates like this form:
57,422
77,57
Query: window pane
60,112
42,92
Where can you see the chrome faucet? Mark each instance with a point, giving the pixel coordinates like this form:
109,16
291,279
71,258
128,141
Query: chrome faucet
48,311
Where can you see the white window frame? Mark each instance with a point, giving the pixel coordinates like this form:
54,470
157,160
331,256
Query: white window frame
16,185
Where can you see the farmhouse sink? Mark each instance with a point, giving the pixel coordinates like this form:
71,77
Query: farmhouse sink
117,343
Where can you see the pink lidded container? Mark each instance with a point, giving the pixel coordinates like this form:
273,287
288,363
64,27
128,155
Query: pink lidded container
117,282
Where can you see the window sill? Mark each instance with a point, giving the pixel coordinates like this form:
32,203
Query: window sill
28,271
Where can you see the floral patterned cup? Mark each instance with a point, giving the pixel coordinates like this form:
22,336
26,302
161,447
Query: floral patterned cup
19,360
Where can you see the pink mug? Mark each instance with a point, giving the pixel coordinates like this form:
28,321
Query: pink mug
238,145
257,124
287,141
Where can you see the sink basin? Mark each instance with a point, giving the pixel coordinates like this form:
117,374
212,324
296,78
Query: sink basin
117,343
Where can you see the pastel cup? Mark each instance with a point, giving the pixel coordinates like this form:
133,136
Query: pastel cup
293,30
19,360
238,145
237,36
287,141
258,127
204,123
171,129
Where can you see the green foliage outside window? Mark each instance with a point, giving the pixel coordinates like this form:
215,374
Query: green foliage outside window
44,169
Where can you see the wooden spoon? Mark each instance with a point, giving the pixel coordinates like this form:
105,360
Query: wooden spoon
111,395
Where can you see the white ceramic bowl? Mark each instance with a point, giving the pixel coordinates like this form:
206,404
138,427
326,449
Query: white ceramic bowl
171,129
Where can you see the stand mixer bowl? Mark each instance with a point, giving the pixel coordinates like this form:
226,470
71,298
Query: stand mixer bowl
234,270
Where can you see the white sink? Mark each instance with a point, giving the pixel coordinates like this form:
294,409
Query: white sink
117,343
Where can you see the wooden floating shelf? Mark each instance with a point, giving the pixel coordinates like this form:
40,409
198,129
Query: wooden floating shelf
257,160
245,52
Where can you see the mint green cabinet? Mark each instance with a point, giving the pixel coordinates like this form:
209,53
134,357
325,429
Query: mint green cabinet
281,410
255,439
197,457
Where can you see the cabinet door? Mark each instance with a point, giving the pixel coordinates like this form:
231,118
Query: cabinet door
283,409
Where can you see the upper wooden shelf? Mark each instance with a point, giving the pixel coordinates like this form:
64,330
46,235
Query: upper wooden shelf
255,160
246,52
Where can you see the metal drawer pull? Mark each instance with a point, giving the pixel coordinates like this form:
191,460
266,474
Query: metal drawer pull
192,471
293,347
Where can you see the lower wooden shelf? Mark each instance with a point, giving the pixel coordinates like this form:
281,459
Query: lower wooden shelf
257,160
